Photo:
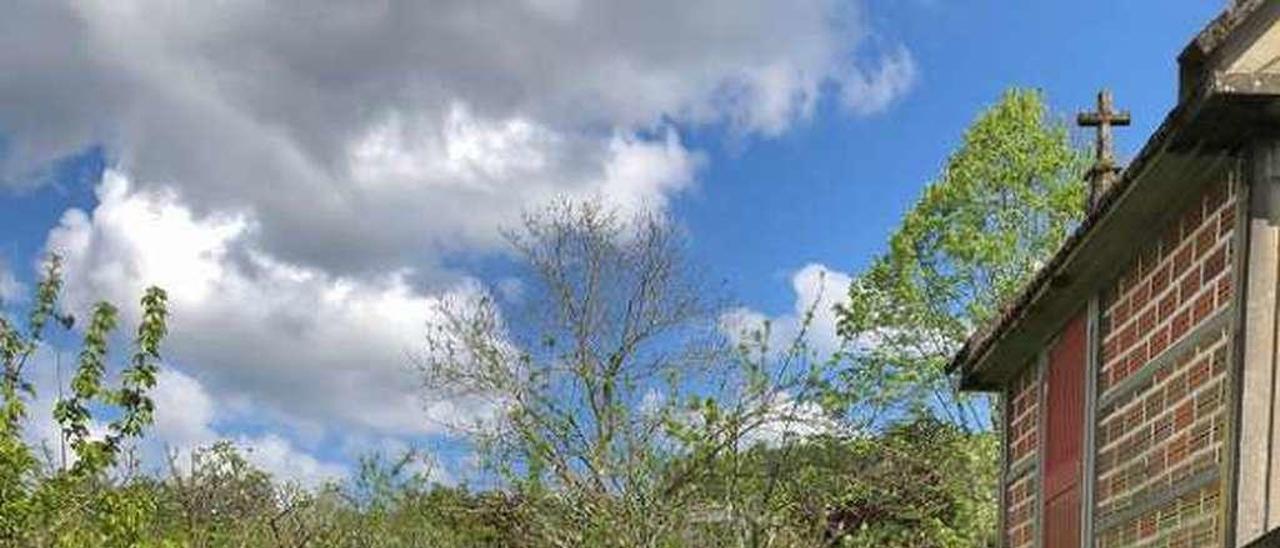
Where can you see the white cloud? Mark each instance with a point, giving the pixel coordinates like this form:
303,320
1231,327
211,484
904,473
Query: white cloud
293,341
869,91
352,132
279,457
184,410
185,421
817,289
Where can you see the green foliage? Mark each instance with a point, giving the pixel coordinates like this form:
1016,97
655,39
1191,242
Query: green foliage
17,461
1005,200
30,497
923,483
136,409
86,386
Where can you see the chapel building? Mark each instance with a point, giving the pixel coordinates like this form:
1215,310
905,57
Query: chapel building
1138,370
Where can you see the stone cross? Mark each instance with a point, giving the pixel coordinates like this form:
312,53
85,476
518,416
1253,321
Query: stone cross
1104,170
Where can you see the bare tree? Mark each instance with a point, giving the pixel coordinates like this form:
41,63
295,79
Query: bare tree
624,400
614,320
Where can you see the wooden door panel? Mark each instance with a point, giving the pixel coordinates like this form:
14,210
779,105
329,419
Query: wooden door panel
1064,434
1062,520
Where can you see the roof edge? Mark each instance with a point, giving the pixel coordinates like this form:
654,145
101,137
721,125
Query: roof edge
978,346
1202,89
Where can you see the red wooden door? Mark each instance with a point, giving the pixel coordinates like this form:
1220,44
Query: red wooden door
1064,436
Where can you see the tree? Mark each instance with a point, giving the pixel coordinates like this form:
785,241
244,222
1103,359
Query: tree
1005,201
27,496
614,329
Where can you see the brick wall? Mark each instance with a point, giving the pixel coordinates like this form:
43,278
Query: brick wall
1022,432
1162,384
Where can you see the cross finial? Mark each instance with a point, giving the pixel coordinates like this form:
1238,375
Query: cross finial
1104,169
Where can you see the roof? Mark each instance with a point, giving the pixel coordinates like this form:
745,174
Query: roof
1216,113
1222,27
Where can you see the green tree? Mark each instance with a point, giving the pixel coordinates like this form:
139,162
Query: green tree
1005,200
39,506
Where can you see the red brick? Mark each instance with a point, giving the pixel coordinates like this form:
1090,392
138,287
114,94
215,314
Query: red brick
1147,526
1180,324
1147,323
1127,337
1190,284
1109,349
1160,280
1159,341
1160,456
1133,417
1214,265
1177,450
1204,306
1182,260
1169,304
1141,295
1172,287
1120,314
1206,237
1120,482
1199,374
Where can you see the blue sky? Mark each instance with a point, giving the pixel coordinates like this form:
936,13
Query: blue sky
831,192
787,138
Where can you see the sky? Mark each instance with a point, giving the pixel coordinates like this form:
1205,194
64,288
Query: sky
307,179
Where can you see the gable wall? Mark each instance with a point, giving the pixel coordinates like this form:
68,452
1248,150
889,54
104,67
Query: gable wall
1162,381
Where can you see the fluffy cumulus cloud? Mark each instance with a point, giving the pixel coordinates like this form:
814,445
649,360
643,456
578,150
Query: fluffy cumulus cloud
818,290
354,131
296,173
302,345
